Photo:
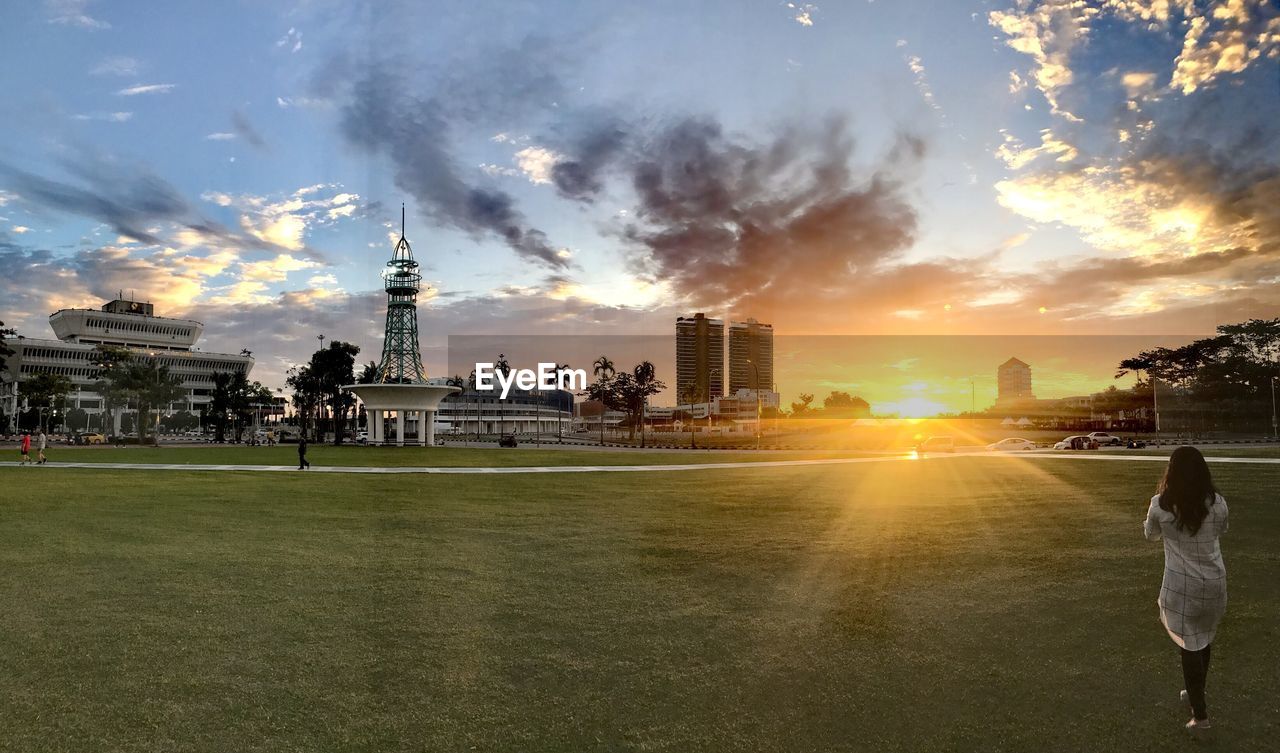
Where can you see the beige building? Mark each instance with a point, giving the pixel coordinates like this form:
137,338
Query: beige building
699,358
1013,382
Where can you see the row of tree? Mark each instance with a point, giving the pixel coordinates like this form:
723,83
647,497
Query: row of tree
625,391
839,404
1219,383
317,388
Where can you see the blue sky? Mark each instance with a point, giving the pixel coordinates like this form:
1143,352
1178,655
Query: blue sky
837,168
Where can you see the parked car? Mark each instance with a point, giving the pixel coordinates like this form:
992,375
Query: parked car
1080,442
1012,444
93,438
507,440
937,444
362,437
1105,439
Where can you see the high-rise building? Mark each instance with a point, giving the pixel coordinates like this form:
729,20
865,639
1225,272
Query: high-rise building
699,358
1014,381
750,342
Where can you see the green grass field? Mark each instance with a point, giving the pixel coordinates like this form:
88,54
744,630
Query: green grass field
958,604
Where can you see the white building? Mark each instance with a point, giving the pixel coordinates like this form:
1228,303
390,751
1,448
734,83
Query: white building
127,324
523,412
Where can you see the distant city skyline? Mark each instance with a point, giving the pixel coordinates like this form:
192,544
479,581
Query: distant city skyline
905,168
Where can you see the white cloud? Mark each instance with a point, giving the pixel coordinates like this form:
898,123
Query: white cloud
922,82
1047,32
1016,156
1137,83
802,13
1233,37
274,270
536,163
311,102
220,136
498,170
285,220
73,13
20,229
117,65
134,91
282,229
292,39
241,293
109,117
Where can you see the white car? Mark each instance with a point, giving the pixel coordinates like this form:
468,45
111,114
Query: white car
1103,438
362,437
1012,444
1079,442
937,444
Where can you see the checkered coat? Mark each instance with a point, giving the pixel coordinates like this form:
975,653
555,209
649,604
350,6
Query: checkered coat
1193,595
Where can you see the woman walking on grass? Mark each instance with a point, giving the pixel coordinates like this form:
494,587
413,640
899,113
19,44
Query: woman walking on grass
1190,515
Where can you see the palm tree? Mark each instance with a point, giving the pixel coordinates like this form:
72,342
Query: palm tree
501,366
475,395
155,388
645,374
692,395
458,381
368,374
560,369
604,371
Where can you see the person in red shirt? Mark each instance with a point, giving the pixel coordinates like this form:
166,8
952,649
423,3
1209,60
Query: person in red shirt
26,449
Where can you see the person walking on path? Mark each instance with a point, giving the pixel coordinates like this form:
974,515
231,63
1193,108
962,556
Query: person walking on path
41,443
1189,515
302,453
24,447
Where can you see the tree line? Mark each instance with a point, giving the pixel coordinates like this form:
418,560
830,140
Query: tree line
1218,383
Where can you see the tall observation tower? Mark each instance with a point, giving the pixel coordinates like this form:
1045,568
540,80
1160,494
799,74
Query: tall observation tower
400,390
401,362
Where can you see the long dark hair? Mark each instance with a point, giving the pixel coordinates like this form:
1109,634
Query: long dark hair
1187,489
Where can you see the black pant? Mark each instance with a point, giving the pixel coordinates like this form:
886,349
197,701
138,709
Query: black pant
1195,670
302,461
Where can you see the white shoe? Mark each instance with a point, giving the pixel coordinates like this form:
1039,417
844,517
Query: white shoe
1198,725
1184,698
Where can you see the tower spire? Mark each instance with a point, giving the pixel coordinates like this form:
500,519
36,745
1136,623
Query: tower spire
401,361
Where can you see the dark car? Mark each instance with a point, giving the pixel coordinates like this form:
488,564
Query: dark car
507,440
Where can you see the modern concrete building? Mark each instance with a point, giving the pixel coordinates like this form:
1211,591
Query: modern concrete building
523,412
1013,382
750,354
128,324
699,358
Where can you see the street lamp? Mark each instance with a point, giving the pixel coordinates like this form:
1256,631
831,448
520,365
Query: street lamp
1274,434
1155,402
756,369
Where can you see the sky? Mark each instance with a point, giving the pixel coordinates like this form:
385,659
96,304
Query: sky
896,169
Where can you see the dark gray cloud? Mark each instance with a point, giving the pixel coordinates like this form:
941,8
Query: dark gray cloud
727,220
383,114
128,203
582,175
128,198
244,128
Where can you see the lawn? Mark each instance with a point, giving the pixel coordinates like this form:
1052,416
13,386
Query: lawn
356,456
954,604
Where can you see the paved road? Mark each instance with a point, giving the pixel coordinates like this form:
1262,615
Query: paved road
464,470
